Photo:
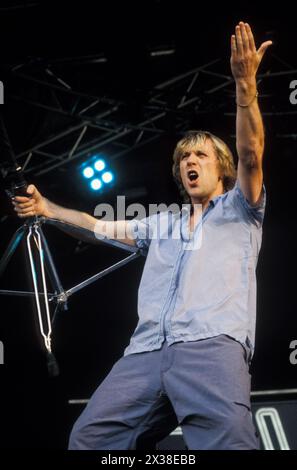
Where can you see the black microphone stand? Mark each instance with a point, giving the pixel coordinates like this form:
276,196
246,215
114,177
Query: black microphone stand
36,244
36,240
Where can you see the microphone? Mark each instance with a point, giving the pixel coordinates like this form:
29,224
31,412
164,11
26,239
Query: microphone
14,181
16,185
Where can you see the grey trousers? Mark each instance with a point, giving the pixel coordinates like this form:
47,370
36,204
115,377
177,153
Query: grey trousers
203,386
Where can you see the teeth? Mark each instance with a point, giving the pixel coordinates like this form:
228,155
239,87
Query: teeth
192,175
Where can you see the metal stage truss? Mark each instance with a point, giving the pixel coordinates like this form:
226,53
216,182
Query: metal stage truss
96,122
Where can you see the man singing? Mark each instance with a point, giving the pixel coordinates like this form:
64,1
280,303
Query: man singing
188,359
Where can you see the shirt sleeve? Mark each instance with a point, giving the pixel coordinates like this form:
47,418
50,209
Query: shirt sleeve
253,213
142,232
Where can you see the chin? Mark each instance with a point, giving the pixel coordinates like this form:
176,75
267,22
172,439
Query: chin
194,193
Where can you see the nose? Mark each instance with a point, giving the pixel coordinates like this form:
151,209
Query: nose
192,159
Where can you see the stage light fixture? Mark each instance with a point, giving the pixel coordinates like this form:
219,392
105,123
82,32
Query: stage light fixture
88,172
96,170
96,184
99,165
107,177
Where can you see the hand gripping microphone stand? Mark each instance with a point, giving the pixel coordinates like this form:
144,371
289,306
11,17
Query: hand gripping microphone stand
37,249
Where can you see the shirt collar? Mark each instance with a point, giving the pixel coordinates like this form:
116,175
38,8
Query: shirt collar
215,199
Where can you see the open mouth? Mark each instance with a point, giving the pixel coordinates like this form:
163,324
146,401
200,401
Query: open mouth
192,175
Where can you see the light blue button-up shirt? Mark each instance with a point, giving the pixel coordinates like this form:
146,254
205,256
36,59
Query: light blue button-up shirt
201,286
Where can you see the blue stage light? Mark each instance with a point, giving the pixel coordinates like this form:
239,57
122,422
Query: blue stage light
97,172
107,177
99,164
88,172
96,184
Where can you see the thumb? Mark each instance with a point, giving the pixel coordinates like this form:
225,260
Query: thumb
30,189
262,49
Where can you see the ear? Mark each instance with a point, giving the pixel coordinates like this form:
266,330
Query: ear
221,174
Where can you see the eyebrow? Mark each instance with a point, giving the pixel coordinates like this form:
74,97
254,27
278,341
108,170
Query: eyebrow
197,152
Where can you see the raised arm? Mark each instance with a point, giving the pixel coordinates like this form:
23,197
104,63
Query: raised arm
245,60
37,204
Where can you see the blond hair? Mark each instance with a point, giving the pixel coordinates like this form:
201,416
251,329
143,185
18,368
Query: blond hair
191,141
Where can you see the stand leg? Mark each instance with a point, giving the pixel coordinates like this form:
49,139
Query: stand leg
50,266
12,246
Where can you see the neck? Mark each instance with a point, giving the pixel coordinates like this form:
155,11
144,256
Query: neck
204,200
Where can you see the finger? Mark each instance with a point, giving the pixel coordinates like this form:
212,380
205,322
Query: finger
21,199
29,214
24,211
30,203
244,37
238,41
251,37
233,45
263,48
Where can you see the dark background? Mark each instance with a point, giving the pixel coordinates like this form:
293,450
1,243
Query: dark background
92,334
